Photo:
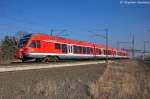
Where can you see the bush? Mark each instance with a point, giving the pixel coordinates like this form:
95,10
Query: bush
8,48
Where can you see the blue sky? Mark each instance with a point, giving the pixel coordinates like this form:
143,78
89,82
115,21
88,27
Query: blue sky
78,17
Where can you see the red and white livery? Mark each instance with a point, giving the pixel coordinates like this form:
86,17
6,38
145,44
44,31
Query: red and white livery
44,47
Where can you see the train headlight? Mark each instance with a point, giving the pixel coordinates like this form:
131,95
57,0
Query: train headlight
26,49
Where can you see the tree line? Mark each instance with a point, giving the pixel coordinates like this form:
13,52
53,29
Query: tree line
8,47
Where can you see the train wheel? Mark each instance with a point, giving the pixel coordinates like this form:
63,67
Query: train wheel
56,59
51,59
38,60
24,59
46,59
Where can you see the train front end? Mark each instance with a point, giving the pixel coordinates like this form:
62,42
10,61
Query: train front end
23,47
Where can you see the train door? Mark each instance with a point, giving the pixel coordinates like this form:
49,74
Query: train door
102,51
70,49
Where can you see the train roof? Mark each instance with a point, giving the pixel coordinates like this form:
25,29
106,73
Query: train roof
72,41
61,38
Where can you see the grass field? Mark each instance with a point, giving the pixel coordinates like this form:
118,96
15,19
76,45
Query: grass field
122,79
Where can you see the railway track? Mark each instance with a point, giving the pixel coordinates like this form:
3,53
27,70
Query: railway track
18,66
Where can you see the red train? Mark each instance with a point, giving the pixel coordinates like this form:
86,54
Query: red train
46,48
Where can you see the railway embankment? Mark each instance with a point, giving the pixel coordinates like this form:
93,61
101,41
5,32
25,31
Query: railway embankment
122,79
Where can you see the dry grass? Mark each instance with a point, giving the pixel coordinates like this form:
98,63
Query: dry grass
119,80
122,81
55,83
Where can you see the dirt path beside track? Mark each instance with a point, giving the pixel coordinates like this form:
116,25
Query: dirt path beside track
61,83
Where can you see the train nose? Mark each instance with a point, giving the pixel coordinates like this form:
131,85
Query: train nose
19,54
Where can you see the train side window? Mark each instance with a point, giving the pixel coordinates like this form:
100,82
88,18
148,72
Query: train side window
106,52
57,46
110,52
33,44
88,50
64,48
75,49
99,51
38,43
119,53
84,50
91,50
80,49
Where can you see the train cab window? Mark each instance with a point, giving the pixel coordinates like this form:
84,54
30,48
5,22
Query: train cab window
57,46
33,44
64,48
38,43
23,42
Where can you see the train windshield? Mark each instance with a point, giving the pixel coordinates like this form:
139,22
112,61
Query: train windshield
23,42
